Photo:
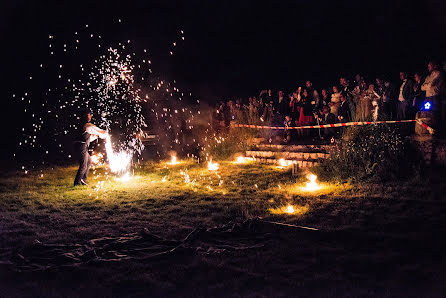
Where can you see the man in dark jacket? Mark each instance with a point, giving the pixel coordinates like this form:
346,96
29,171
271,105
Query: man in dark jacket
327,118
344,113
282,104
87,132
405,96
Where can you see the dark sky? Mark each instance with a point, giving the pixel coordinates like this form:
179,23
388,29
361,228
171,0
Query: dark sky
232,48
240,47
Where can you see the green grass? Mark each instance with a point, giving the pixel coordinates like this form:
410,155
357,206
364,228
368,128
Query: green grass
395,226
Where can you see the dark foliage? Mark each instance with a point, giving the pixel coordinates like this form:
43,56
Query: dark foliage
377,152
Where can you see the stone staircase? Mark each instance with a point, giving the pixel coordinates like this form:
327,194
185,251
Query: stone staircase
304,156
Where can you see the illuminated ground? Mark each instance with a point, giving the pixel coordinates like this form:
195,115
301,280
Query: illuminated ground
372,239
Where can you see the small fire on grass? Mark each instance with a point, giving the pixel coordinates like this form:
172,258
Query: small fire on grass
243,159
290,209
283,163
312,185
173,160
212,166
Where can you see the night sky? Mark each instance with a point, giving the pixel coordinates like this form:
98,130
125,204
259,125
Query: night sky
236,48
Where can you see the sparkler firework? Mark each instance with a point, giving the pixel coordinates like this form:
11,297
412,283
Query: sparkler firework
118,85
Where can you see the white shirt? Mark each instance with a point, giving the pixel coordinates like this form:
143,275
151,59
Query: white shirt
401,97
432,84
94,132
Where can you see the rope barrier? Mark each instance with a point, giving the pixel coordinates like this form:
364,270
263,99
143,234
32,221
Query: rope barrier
418,121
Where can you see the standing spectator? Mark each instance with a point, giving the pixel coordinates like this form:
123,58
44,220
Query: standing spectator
295,105
325,100
358,80
433,85
351,99
345,85
335,101
268,112
306,111
387,102
282,104
363,112
327,118
310,90
405,96
288,123
374,102
418,94
344,114
227,116
379,86
238,112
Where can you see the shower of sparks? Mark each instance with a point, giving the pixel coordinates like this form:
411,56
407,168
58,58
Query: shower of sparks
115,82
119,162
125,177
97,158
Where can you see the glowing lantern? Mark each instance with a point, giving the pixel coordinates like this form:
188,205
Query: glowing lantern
240,159
290,209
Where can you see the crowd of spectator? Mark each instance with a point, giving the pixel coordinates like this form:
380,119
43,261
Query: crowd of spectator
359,100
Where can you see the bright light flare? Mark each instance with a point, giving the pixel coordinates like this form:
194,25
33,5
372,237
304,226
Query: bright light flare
125,177
312,185
284,163
212,166
119,162
290,209
173,160
97,158
243,159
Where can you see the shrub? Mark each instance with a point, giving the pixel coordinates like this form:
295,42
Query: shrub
227,145
374,152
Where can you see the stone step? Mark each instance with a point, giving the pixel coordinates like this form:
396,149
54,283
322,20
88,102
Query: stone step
299,163
288,155
292,148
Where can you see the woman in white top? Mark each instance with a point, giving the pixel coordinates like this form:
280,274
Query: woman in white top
335,101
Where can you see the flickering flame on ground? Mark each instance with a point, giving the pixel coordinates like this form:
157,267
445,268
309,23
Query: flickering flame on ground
290,209
173,160
312,185
284,163
212,166
243,159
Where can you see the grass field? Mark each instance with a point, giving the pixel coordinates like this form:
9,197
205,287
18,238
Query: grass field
372,240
